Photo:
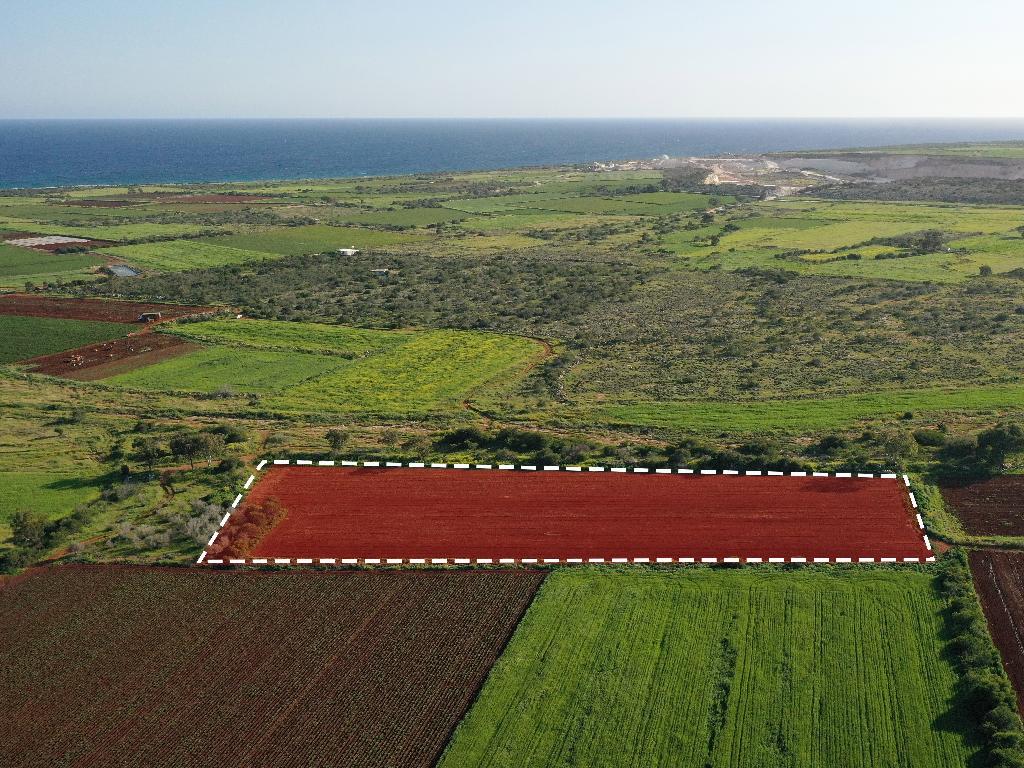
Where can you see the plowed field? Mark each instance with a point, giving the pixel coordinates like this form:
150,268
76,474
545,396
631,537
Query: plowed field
406,513
109,358
90,309
999,579
992,507
119,666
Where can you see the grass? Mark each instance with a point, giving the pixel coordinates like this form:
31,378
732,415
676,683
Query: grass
222,369
317,368
433,371
314,238
25,263
175,255
51,494
721,668
831,229
24,337
120,233
814,414
298,337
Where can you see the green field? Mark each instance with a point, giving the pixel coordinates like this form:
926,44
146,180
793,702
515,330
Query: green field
713,668
50,493
316,368
818,413
222,369
25,337
171,255
315,238
18,265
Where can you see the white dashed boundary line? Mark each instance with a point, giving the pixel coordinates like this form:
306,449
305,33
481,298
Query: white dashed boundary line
565,560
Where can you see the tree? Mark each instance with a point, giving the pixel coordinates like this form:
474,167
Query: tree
148,450
337,438
995,444
28,529
187,445
985,270
210,446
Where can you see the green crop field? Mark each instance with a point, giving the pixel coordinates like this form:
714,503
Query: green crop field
431,372
819,413
25,337
709,668
170,255
226,370
316,368
316,238
18,264
297,337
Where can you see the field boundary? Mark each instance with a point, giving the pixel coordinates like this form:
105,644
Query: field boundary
264,463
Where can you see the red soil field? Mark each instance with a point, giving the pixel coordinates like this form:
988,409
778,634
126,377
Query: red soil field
27,305
88,244
992,507
409,513
999,579
108,358
131,666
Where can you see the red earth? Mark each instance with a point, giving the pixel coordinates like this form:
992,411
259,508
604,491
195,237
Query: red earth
109,358
999,579
392,513
28,305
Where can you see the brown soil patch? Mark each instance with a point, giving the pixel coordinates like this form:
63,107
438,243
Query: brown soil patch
999,579
108,358
992,507
27,305
186,667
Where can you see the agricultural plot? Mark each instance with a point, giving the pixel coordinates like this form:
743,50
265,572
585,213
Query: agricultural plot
175,255
834,231
991,507
314,238
132,666
427,514
105,310
22,338
999,581
51,494
121,233
227,370
20,264
806,414
109,358
721,668
310,367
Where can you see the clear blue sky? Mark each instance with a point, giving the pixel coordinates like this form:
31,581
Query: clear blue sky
530,58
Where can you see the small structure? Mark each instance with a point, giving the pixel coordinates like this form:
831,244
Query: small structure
381,272
348,251
149,317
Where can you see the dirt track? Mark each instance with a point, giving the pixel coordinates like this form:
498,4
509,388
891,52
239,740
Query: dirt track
445,513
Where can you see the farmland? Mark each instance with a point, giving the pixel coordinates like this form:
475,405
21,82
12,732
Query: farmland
182,254
988,507
26,337
297,241
999,579
367,513
209,669
722,668
312,367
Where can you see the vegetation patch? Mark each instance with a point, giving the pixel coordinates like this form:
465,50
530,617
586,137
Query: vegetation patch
722,668
22,338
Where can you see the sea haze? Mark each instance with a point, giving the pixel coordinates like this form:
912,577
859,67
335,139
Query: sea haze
41,153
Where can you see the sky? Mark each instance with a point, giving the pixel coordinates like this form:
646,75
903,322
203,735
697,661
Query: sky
529,58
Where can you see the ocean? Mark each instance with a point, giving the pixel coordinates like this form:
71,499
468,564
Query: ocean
45,153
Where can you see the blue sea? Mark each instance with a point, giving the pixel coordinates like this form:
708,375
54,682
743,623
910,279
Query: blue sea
41,153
